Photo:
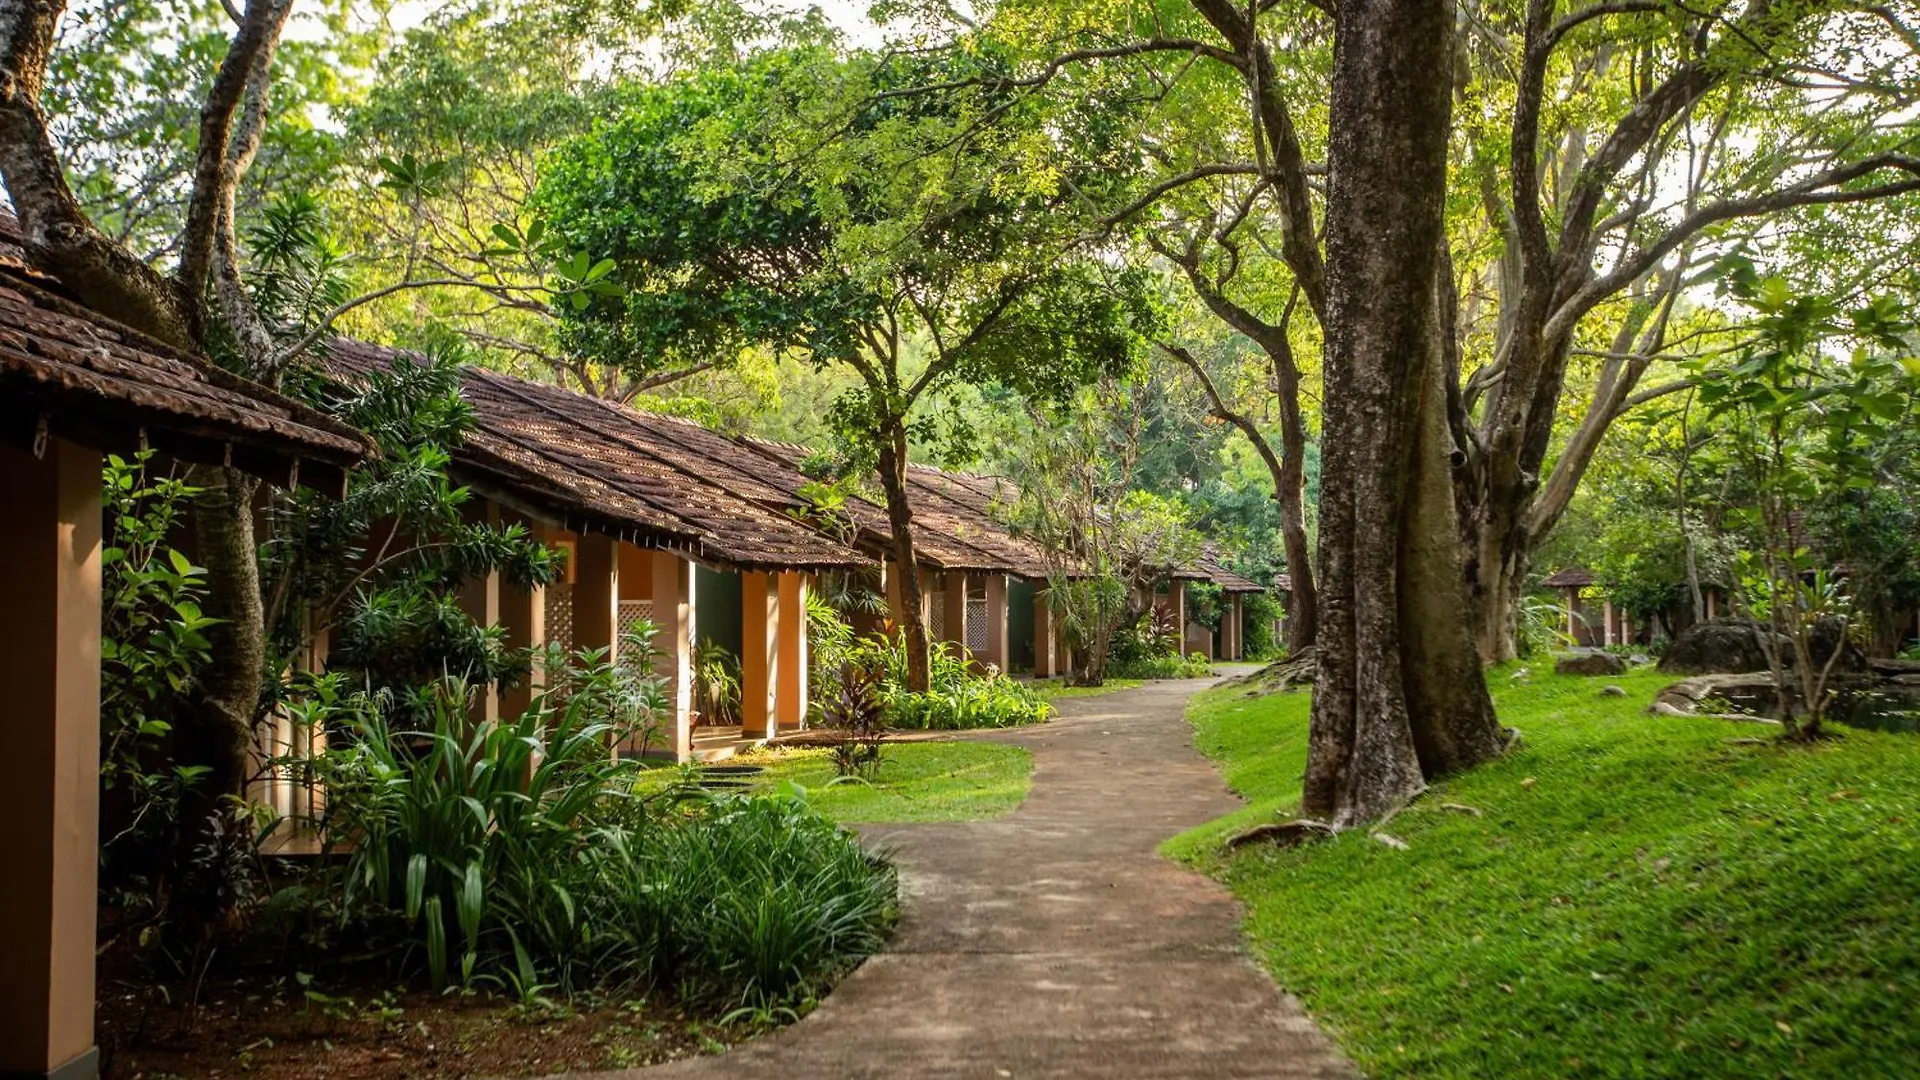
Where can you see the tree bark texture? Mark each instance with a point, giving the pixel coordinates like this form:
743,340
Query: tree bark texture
906,613
1399,695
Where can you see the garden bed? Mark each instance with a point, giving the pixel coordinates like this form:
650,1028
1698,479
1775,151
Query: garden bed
275,1029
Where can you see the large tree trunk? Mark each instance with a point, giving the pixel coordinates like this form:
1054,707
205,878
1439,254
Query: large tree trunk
1399,695
1290,486
906,612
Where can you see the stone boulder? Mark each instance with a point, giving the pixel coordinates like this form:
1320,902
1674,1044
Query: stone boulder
1733,647
1591,663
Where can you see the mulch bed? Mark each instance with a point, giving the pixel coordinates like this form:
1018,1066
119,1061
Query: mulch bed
276,1029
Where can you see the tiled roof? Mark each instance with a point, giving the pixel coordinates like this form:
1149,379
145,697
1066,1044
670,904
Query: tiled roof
1572,577
655,481
75,374
1212,563
949,534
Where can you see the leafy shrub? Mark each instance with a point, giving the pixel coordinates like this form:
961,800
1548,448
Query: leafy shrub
746,900
958,697
1162,667
518,855
1258,612
1542,627
853,708
152,642
716,683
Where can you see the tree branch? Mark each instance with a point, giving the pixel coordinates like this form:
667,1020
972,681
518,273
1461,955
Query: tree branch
213,175
325,326
56,233
1820,189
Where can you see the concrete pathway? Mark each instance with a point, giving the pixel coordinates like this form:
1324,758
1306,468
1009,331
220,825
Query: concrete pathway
1054,942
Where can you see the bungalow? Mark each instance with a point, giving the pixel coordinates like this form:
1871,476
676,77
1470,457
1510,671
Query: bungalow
77,385
663,522
982,588
1610,624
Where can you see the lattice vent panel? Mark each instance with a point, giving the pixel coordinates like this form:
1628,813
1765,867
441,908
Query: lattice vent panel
560,616
977,623
632,614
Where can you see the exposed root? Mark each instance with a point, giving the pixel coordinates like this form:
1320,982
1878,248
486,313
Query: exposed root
1462,808
1283,834
1393,842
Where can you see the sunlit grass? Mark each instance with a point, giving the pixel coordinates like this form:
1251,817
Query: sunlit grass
1059,690
917,781
1639,896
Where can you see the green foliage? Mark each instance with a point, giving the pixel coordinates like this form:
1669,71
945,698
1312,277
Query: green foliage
1542,628
958,696
1637,895
1805,431
918,781
381,567
1257,614
910,247
1161,667
519,855
716,683
151,644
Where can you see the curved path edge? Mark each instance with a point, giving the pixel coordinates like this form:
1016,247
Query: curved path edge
1055,942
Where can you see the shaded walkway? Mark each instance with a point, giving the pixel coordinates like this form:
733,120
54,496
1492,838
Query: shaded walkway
1054,942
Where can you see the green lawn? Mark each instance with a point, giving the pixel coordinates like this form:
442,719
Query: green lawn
1058,690
917,781
1641,897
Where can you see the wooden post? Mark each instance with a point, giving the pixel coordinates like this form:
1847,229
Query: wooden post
997,638
596,595
790,698
1177,603
1231,645
673,643
50,773
760,627
523,618
1044,632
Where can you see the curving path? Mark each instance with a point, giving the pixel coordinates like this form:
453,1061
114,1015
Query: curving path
1054,942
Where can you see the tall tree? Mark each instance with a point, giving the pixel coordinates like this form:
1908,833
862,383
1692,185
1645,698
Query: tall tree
1614,153
1399,695
919,248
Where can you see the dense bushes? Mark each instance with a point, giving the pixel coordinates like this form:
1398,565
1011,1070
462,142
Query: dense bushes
959,696
518,855
1150,649
1161,667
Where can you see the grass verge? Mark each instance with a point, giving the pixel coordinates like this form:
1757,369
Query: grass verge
1639,896
917,781
1061,690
